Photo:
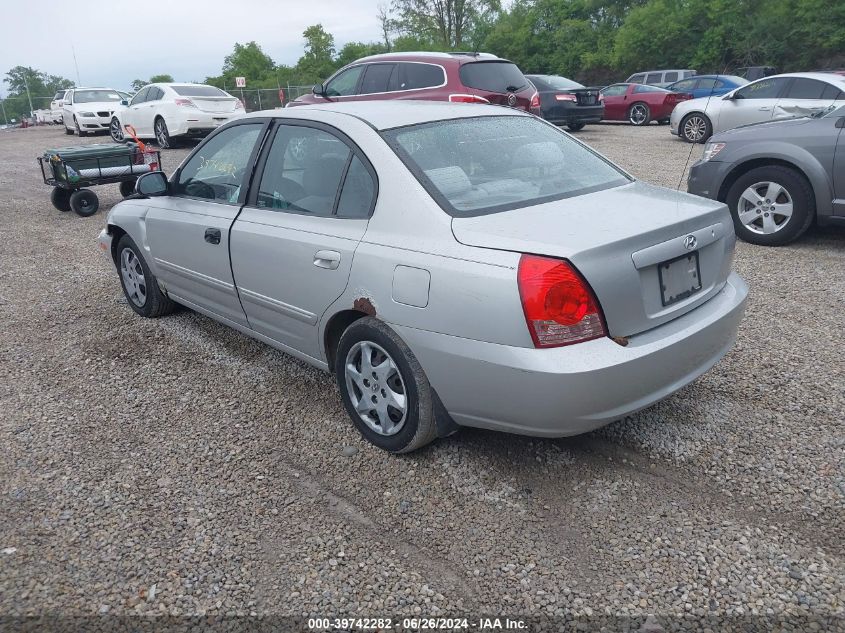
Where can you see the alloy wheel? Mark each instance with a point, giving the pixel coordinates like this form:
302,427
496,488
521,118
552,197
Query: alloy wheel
116,132
695,127
161,134
376,388
765,207
132,274
638,115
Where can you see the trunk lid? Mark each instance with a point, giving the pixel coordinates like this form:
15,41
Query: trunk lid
215,104
617,238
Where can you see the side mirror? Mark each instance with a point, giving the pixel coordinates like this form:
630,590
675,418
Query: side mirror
124,102
152,184
319,90
728,97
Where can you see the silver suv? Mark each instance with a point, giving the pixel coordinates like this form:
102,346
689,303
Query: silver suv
661,78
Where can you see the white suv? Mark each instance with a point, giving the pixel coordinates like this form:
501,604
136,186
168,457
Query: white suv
166,111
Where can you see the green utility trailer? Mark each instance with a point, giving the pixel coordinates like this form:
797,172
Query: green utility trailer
69,170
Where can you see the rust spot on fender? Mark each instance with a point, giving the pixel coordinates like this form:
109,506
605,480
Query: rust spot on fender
364,305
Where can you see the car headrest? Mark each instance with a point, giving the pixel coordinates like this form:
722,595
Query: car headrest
545,154
451,181
322,175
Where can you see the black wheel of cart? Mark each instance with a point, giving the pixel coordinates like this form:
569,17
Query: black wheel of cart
84,202
60,198
127,187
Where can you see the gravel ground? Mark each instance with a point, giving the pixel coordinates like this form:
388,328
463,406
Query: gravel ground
176,467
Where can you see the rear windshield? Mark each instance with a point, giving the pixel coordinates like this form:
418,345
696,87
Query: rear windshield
92,96
199,91
499,77
556,82
481,165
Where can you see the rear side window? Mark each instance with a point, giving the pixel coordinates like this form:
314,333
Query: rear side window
671,76
498,77
356,198
832,93
686,84
481,165
636,79
416,76
654,78
199,91
378,78
802,88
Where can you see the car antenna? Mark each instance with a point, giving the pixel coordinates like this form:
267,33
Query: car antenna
692,145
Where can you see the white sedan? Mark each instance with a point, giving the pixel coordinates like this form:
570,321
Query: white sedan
87,110
166,111
776,97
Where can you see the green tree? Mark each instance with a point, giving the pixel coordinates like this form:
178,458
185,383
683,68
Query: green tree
317,62
356,50
41,86
450,24
137,84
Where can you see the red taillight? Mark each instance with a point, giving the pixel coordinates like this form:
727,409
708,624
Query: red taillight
559,306
461,98
535,100
566,97
601,97
185,102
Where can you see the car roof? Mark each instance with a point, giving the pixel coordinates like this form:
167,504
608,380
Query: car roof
387,114
427,56
826,77
663,70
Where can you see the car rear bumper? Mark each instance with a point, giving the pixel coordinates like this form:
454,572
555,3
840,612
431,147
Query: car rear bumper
575,389
200,123
574,114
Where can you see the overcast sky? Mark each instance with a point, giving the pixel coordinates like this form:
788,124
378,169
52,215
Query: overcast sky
121,40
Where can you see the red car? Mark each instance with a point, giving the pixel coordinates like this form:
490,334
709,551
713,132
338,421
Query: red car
640,104
456,77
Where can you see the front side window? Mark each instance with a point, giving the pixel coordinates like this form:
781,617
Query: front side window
345,83
303,171
686,84
706,84
417,76
763,89
480,165
378,78
501,77
140,96
615,91
216,171
155,94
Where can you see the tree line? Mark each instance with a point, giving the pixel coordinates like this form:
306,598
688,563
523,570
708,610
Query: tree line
592,41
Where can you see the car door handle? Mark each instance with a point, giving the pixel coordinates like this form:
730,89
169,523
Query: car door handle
764,109
327,259
212,236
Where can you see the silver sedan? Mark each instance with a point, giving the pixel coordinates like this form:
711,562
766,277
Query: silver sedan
452,265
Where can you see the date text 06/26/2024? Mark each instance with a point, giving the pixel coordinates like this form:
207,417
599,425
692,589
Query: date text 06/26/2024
415,624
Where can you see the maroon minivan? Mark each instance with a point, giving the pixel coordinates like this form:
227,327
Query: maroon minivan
456,77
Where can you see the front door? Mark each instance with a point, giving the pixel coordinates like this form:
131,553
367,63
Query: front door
293,243
129,115
752,103
145,112
615,103
188,231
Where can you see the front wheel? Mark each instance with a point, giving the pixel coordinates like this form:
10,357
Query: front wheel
127,187
68,131
162,135
384,388
696,128
138,282
84,202
576,127
79,131
639,114
771,206
116,131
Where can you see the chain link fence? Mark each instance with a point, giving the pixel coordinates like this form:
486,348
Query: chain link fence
268,98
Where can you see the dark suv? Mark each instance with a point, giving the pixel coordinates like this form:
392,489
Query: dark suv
456,77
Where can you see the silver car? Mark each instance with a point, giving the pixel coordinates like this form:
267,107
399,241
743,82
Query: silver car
452,265
776,97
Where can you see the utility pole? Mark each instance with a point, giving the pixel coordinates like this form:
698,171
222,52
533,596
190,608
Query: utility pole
26,85
78,80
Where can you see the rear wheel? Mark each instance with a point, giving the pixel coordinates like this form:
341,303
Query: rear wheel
384,388
696,128
772,205
84,202
576,127
639,114
60,198
138,282
162,135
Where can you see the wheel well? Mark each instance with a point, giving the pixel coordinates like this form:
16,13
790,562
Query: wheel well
737,172
116,233
334,330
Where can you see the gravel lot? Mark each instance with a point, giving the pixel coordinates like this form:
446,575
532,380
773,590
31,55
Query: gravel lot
174,466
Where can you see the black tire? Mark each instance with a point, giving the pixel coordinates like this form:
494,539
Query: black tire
695,128
155,303
419,427
79,130
84,202
795,188
663,122
639,114
161,133
127,187
576,127
68,131
116,132
60,198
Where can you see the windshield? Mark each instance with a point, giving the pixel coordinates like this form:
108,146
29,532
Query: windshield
482,165
499,77
199,91
93,96
559,83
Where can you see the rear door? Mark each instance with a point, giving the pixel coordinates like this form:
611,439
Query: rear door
804,97
188,231
378,79
293,243
752,103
